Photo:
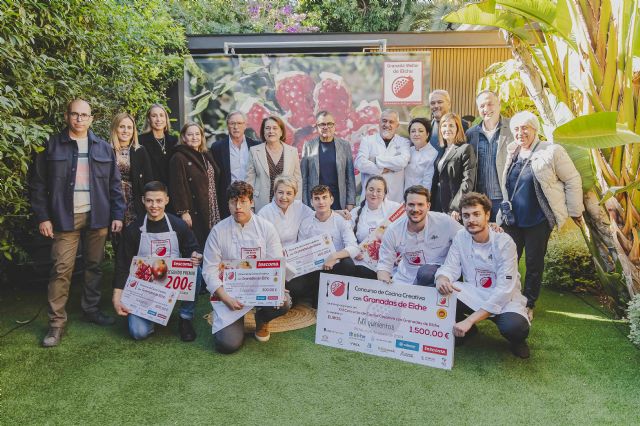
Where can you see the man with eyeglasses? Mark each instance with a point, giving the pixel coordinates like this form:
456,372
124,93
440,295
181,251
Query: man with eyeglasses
327,160
232,154
385,154
76,194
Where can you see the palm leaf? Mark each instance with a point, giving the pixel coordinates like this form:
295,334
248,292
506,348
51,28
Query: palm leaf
485,13
595,131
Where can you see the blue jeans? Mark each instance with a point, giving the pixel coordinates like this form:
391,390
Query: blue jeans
140,328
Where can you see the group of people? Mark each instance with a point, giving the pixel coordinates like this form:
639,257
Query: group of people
245,196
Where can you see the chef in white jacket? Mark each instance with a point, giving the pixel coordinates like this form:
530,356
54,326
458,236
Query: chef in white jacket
421,167
422,239
491,287
242,235
386,154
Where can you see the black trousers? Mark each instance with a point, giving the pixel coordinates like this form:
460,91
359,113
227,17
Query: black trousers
512,326
533,240
306,286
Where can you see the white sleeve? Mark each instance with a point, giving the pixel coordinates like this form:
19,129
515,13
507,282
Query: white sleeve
398,161
452,267
212,257
362,162
427,178
387,254
348,238
506,276
303,232
272,239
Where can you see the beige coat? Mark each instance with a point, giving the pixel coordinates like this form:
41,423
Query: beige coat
560,180
258,172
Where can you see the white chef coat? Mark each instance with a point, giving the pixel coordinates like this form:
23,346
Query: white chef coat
421,167
373,157
430,246
287,224
336,226
238,160
491,278
371,219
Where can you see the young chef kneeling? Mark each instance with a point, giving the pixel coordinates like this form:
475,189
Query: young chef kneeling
325,221
242,235
156,229
491,287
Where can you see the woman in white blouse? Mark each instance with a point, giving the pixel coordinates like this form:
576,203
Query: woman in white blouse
421,167
269,160
371,213
285,212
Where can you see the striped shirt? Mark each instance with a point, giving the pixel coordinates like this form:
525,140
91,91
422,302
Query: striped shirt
81,190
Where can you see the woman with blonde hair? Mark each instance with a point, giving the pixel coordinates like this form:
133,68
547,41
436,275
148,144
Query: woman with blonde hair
286,212
193,177
133,162
455,171
158,142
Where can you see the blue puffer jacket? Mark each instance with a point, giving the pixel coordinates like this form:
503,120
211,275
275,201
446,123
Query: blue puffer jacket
53,176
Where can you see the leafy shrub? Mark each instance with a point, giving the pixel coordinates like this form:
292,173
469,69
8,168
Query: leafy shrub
634,320
568,264
117,55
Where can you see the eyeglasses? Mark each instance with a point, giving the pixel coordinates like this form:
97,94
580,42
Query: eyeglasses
80,116
323,125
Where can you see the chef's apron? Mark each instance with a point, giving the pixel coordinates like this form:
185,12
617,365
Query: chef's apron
159,244
247,249
479,287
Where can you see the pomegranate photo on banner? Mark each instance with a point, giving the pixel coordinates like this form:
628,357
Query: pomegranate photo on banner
354,87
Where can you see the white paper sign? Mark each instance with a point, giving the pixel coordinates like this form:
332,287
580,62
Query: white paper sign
402,83
309,255
255,282
169,272
405,322
148,300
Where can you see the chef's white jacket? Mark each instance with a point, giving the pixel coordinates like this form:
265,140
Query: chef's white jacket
336,226
287,224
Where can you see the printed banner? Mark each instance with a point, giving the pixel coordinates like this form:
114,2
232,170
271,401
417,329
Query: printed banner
309,255
149,300
405,322
255,282
370,247
169,272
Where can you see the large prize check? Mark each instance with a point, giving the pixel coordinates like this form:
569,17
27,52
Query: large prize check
370,247
255,282
405,322
173,273
309,255
148,300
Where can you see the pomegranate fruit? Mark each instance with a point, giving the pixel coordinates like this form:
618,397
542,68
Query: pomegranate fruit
294,93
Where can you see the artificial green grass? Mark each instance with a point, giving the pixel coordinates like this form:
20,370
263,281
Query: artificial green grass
583,370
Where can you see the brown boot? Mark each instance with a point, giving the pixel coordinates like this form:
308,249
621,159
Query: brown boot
53,337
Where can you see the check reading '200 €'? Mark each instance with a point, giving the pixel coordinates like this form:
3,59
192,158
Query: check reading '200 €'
405,322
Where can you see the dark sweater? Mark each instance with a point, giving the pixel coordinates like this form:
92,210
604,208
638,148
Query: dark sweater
131,241
159,161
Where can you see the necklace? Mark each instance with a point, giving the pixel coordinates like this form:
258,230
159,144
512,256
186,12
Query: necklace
162,144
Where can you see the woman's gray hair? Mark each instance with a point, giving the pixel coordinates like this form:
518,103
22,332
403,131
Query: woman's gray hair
524,117
287,181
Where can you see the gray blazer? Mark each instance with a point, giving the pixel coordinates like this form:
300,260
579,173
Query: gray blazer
310,168
503,140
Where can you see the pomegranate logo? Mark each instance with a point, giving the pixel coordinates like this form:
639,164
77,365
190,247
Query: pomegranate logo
231,275
133,284
486,282
337,288
402,87
161,251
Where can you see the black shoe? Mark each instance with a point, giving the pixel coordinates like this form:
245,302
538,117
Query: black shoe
521,350
187,333
99,318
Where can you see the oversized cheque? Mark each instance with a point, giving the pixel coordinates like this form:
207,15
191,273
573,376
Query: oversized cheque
149,300
405,322
309,255
169,272
370,247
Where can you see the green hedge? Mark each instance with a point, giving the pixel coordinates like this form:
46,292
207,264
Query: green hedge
568,264
118,55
